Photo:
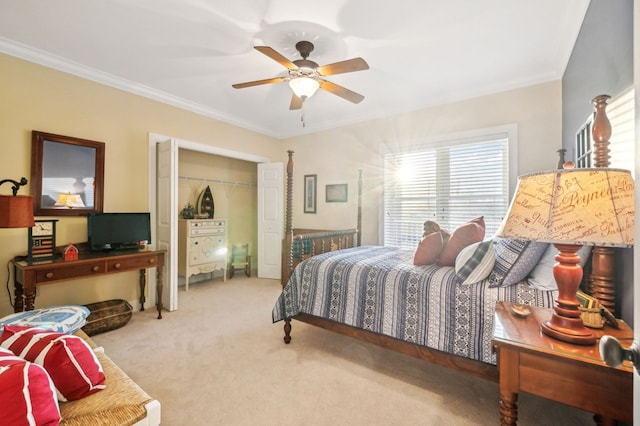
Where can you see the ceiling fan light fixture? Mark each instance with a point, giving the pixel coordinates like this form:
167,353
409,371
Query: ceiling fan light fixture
304,87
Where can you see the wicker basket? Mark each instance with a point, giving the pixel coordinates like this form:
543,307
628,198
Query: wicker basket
107,315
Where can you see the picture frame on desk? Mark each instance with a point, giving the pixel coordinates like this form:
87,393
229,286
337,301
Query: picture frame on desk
42,240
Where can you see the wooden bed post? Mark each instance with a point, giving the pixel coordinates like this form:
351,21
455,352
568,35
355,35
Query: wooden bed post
359,222
287,242
602,259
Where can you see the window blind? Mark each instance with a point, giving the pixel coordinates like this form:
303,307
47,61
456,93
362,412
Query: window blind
449,184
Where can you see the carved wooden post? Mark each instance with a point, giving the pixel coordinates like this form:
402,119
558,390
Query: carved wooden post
287,242
359,224
602,258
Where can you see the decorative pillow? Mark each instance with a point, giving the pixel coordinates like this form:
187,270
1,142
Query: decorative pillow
542,275
475,262
461,237
27,395
428,249
62,319
70,362
515,259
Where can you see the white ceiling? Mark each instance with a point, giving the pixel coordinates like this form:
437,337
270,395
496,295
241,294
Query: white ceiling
188,53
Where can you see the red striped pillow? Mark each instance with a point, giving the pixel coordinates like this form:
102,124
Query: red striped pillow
27,395
70,362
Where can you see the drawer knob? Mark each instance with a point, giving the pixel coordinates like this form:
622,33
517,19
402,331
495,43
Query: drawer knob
49,275
96,268
117,265
152,260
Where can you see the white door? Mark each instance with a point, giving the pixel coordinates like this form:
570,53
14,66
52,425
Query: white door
166,217
270,219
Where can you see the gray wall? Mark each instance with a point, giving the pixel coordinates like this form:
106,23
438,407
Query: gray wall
601,63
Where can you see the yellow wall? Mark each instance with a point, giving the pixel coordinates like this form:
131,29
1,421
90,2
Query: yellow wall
336,155
38,98
233,186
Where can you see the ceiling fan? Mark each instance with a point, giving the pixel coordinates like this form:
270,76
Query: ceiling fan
306,76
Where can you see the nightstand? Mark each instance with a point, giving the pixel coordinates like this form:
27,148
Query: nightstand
575,375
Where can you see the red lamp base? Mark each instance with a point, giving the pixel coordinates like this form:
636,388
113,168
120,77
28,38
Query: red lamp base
567,330
565,323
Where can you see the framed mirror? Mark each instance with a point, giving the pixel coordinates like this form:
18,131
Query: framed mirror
67,175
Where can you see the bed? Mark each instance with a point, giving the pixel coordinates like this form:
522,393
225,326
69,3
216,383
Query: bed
377,294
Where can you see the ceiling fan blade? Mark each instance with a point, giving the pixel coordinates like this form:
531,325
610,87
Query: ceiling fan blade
296,102
350,65
276,57
258,82
341,91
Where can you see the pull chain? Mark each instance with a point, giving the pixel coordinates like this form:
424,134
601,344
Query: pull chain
304,124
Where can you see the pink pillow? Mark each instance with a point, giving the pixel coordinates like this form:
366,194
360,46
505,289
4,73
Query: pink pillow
461,237
428,249
70,362
27,395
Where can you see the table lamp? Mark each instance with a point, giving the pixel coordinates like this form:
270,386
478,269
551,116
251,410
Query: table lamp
69,200
571,208
16,211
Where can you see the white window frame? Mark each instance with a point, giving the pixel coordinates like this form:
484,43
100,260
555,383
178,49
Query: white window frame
508,131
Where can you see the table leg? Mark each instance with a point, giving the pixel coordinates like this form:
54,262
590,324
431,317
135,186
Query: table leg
18,292
143,284
29,299
159,292
508,366
508,408
604,421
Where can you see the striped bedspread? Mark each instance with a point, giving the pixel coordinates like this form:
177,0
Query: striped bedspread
379,289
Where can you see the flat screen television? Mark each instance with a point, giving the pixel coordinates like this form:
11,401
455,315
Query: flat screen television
118,231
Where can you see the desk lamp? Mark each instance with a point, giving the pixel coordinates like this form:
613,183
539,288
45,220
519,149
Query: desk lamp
16,211
571,208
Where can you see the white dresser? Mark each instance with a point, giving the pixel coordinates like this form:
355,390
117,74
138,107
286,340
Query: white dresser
202,247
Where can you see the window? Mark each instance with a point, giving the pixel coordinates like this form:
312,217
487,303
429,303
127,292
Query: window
621,114
449,182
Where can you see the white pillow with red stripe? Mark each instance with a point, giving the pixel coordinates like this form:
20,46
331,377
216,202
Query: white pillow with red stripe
27,395
70,362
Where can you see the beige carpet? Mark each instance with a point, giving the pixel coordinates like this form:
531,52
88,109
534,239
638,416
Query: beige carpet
219,360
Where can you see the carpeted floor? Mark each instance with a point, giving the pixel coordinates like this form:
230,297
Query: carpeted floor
219,360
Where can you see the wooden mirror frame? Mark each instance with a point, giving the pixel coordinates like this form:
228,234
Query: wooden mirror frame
37,161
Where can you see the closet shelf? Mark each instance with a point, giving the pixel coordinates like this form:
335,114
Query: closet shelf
225,182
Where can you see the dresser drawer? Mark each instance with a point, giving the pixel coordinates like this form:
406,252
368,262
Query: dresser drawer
206,231
116,265
79,270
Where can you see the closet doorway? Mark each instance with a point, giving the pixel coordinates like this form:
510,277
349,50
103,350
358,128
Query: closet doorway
165,202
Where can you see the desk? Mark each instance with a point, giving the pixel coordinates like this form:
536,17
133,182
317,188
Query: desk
570,374
30,274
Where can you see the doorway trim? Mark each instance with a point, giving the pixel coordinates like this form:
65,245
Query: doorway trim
154,139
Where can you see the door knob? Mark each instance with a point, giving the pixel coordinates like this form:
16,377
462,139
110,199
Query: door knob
613,353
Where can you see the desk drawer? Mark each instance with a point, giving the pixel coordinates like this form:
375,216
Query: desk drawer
116,265
78,270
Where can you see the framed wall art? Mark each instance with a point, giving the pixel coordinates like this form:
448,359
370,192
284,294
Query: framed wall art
310,198
336,193
67,175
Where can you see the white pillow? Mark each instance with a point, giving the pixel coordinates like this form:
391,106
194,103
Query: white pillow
542,278
61,319
475,262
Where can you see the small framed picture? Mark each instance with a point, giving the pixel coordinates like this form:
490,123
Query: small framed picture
336,193
310,185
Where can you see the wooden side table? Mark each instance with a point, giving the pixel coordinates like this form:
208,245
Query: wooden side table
575,375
